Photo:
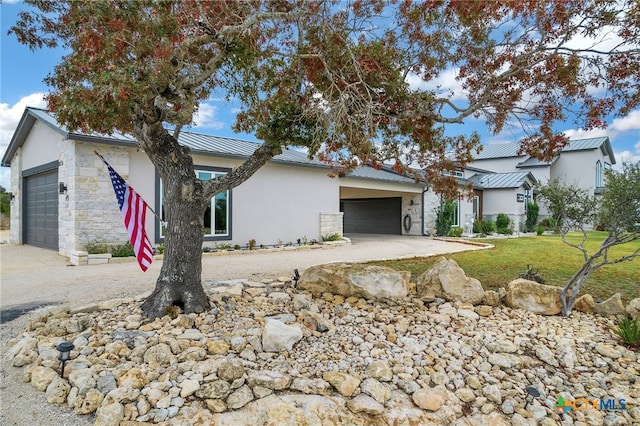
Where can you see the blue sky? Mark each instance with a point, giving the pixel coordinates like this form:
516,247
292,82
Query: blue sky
21,85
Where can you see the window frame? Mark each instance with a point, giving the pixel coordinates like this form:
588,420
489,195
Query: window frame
599,179
206,237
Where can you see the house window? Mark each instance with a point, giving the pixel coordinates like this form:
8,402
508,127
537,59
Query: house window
455,221
599,174
454,173
217,216
476,207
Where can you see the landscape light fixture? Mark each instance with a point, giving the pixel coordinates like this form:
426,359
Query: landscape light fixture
65,349
532,393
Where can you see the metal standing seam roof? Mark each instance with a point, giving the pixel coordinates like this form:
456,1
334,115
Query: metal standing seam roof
501,180
371,173
507,150
199,143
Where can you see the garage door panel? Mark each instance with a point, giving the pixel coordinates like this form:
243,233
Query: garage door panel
41,210
372,215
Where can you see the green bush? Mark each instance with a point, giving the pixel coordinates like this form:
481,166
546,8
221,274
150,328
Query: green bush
331,237
629,331
485,227
549,223
160,248
532,217
444,217
502,224
540,230
455,232
502,221
96,248
122,250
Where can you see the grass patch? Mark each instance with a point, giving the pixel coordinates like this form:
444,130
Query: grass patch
553,259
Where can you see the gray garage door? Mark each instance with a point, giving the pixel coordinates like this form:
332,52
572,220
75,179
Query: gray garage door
372,215
41,210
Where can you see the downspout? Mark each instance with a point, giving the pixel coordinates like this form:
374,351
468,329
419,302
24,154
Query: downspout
422,213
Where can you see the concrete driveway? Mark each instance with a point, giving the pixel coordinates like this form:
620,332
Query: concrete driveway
31,277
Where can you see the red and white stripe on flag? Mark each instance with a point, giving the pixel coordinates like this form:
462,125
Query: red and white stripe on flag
134,212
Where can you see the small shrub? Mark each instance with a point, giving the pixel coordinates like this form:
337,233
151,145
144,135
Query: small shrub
223,246
206,249
502,221
237,247
484,227
549,223
252,244
122,250
96,248
540,230
160,249
532,275
455,232
444,217
532,217
331,237
629,331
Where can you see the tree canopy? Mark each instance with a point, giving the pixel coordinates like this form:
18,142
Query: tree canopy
351,82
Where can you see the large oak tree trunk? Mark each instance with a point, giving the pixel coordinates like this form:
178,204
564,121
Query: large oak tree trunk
184,204
179,283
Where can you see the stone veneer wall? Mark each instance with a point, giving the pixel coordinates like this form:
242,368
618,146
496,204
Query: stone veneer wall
414,211
89,213
331,223
431,204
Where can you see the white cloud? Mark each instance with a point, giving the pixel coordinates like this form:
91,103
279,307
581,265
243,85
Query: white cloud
626,157
9,118
206,117
630,122
586,134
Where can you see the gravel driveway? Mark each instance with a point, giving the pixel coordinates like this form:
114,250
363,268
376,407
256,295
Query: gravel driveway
31,278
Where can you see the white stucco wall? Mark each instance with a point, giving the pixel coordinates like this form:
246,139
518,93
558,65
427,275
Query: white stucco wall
283,203
42,146
498,165
496,201
579,168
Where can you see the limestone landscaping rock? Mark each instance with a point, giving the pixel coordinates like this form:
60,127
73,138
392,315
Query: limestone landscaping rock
447,280
610,307
355,280
380,362
633,308
584,303
533,297
278,336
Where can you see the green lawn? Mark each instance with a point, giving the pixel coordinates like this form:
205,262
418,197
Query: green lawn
553,259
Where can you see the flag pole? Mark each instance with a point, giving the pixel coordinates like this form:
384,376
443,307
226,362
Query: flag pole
162,222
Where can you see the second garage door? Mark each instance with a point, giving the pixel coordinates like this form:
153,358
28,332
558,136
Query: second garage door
372,215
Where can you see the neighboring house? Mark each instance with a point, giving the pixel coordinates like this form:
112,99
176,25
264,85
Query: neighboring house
581,163
504,181
63,198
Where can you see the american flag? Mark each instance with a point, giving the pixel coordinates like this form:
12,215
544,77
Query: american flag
134,212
